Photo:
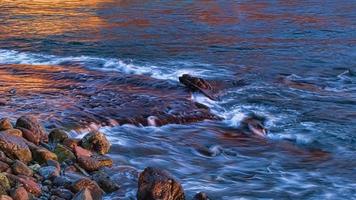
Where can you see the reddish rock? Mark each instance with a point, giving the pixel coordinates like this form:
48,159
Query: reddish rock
4,166
30,136
42,155
94,162
20,193
31,123
5,197
157,184
13,131
83,194
95,190
28,183
71,142
15,147
80,152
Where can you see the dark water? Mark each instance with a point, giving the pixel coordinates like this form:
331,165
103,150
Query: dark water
298,58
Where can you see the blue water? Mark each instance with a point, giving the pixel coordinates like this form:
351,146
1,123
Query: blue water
297,58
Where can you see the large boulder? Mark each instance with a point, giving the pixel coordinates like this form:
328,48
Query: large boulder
15,147
31,123
157,184
96,141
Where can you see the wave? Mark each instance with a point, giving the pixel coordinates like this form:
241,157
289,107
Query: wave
170,70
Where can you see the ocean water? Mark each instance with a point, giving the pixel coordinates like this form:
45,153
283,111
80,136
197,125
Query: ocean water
298,60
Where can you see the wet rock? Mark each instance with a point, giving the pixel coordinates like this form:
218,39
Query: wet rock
15,132
63,153
35,167
21,168
71,142
197,84
4,184
105,182
201,196
15,147
83,194
80,152
31,123
42,155
94,162
96,141
20,193
254,125
57,136
4,166
5,159
30,136
95,190
49,172
28,183
5,124
157,184
62,193
54,163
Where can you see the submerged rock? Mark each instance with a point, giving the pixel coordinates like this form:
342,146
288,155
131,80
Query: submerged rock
15,147
254,125
96,141
197,84
31,123
105,182
157,184
201,196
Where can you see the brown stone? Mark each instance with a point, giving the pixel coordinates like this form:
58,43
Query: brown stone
57,136
83,194
96,141
21,168
28,183
13,131
5,124
157,184
15,147
5,197
80,152
20,193
30,136
31,123
42,155
3,166
94,162
71,142
95,190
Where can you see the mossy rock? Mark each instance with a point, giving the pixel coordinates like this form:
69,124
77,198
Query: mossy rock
63,153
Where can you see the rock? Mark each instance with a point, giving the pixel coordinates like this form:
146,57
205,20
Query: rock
21,168
30,123
71,142
4,166
4,184
13,131
57,136
63,193
83,194
35,167
157,184
105,182
96,141
79,152
20,193
28,183
5,159
49,172
5,124
30,136
94,162
95,190
201,196
15,147
54,163
197,84
42,155
63,153
254,125
5,197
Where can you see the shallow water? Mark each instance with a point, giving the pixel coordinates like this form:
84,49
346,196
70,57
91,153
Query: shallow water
297,59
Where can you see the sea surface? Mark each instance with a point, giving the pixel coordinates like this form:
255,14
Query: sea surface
298,59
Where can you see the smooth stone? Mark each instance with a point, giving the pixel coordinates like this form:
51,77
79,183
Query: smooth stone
157,184
13,131
42,155
49,172
31,123
5,124
95,190
105,182
71,142
63,153
97,142
4,166
57,136
4,184
83,194
15,147
20,168
94,162
27,182
30,136
20,193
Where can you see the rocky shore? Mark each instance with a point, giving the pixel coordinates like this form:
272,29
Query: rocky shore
40,165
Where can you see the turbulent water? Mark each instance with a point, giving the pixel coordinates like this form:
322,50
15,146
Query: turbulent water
297,59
